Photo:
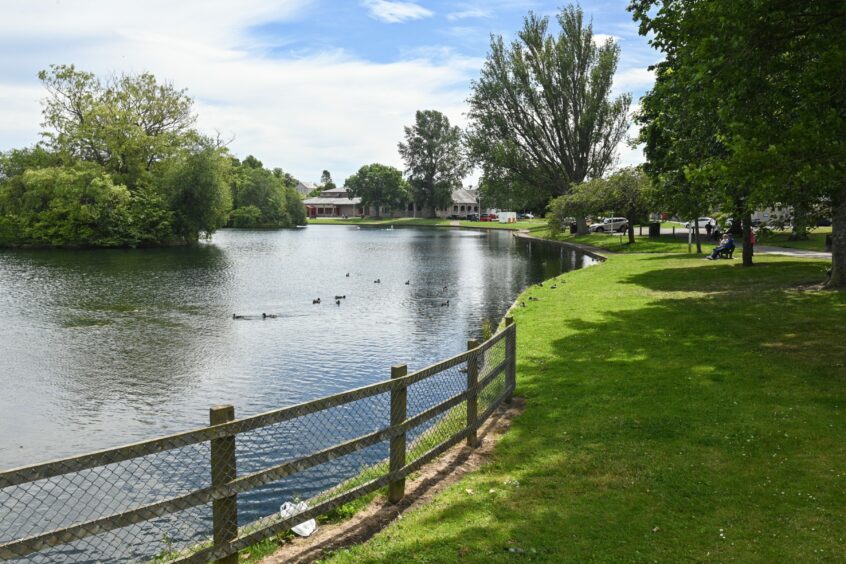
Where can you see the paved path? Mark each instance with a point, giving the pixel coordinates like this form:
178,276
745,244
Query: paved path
765,250
454,223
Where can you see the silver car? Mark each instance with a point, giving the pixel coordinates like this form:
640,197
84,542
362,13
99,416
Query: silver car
610,224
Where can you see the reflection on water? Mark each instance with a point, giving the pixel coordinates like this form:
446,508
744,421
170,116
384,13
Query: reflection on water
100,348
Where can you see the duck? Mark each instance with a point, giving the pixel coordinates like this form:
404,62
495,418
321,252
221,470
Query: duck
407,282
348,274
268,316
377,281
236,316
341,297
445,304
554,286
337,302
317,301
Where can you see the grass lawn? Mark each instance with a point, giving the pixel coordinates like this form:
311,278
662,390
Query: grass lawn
413,221
676,409
613,242
814,242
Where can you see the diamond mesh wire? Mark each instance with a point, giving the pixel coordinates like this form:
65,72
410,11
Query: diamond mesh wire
159,503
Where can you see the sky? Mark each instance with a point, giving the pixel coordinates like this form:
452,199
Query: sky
304,85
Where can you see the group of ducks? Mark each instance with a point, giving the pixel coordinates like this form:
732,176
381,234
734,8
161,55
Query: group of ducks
338,299
534,299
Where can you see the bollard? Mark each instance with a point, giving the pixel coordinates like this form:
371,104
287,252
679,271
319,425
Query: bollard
473,398
223,470
396,489
511,355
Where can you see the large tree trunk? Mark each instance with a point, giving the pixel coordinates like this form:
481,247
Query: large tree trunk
581,226
747,238
696,235
631,228
838,240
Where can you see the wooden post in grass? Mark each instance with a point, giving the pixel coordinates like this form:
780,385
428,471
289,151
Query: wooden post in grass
223,470
396,488
511,358
473,398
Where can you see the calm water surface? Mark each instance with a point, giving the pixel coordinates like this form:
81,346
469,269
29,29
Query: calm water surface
101,348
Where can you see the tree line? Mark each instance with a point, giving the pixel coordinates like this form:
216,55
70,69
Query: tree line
121,164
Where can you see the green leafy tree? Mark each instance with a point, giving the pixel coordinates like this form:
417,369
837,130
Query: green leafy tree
198,192
66,206
541,112
769,75
127,124
378,186
326,181
434,158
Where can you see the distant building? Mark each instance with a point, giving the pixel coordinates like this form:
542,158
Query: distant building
333,202
465,202
305,188
336,202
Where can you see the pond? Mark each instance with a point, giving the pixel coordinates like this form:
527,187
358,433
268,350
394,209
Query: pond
103,347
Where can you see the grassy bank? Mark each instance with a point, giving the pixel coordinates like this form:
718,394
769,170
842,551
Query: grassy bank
677,409
618,243
416,221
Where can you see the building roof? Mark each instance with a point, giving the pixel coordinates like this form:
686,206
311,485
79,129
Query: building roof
464,196
305,187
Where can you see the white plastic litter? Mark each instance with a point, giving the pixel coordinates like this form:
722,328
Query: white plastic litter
289,509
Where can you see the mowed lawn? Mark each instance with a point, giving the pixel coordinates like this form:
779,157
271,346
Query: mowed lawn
676,410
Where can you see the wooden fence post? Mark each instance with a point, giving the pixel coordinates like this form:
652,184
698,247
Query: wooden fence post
396,489
511,357
223,470
473,398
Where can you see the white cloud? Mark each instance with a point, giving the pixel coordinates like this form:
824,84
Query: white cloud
633,79
390,11
324,110
599,39
471,13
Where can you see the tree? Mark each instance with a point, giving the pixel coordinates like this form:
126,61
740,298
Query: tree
542,111
198,192
626,192
326,181
770,74
378,186
126,124
434,159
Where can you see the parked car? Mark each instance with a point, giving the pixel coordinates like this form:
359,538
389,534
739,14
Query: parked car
610,224
488,217
703,222
824,222
473,217
526,215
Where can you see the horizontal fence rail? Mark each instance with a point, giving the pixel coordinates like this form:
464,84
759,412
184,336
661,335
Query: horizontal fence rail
205,494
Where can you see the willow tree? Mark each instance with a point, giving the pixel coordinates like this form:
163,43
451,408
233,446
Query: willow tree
542,111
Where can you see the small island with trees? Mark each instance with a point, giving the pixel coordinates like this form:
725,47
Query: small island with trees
122,165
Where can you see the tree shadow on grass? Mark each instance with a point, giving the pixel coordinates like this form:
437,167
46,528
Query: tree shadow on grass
706,424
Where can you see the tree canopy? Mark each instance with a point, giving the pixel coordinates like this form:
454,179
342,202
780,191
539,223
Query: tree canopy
378,186
760,84
541,113
122,165
434,158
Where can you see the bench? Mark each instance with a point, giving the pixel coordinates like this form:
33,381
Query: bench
727,254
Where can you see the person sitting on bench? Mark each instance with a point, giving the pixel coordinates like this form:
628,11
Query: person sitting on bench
725,246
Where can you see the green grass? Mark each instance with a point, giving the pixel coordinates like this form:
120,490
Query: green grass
676,409
615,243
415,221
814,242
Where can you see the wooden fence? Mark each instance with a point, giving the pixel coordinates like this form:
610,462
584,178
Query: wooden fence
177,498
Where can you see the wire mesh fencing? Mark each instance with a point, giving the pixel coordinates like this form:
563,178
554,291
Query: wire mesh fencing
205,494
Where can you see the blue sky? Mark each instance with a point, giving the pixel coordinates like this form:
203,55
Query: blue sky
301,84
